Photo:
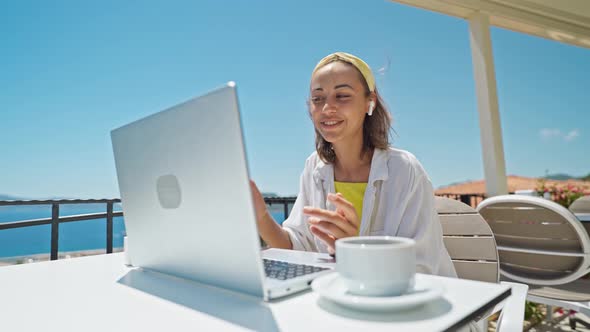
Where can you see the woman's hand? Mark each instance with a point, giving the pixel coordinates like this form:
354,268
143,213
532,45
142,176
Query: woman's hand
271,232
259,204
329,226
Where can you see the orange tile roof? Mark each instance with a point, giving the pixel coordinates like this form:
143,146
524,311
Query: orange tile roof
514,183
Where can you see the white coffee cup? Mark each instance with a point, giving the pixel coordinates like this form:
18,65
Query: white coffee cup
376,265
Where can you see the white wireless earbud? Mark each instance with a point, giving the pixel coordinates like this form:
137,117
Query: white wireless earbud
371,107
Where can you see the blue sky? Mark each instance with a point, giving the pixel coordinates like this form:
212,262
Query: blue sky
71,71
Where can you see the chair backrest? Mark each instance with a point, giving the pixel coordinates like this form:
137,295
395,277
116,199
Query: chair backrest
469,241
581,205
539,242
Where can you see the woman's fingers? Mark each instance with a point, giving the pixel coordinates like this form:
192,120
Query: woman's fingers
333,217
331,225
326,238
345,207
328,228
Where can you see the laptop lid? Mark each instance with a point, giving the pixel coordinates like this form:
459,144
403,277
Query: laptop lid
185,192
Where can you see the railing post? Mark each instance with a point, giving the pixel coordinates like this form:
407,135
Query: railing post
54,230
109,227
285,209
465,199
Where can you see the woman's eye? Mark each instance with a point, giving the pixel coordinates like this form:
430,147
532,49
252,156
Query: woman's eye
317,100
343,96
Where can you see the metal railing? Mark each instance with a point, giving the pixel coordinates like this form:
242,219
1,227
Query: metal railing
285,201
470,199
56,219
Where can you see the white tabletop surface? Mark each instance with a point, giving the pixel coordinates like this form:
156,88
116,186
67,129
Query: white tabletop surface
100,293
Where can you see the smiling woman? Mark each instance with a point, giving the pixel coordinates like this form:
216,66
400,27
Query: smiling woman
353,91
355,183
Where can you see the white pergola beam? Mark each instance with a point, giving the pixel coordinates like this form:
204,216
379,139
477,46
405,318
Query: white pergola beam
487,105
560,21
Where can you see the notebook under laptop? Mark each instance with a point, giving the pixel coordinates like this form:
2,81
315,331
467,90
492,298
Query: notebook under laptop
184,185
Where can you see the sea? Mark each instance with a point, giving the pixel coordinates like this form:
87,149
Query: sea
73,236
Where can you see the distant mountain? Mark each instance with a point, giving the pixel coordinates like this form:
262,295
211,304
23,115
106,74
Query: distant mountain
559,177
64,208
8,198
562,176
269,195
4,197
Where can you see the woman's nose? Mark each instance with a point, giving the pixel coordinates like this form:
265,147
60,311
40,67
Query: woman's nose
328,107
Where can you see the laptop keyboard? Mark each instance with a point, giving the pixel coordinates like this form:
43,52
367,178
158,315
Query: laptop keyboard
284,270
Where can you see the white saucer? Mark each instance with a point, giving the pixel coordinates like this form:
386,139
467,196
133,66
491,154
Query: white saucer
333,288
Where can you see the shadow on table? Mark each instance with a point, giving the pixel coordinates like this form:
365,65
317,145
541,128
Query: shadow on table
240,309
429,311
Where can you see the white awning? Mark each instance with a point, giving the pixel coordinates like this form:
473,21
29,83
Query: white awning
566,21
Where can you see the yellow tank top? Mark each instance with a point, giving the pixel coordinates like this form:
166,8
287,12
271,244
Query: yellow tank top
354,192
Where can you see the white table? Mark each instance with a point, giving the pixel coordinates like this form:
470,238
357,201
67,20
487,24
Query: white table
99,293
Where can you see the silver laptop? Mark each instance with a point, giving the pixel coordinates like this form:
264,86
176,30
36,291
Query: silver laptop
184,185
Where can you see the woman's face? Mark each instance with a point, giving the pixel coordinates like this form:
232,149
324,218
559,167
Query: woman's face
338,102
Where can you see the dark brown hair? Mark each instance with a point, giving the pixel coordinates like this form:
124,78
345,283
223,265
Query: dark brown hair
375,128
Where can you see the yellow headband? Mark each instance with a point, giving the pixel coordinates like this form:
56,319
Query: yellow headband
358,63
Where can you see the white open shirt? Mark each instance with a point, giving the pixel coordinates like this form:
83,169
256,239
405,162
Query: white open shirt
398,201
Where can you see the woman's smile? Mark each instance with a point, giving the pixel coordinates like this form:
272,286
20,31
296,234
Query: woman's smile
331,124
